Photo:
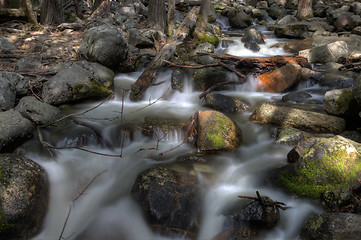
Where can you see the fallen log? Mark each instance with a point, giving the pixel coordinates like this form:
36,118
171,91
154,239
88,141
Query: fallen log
148,76
261,64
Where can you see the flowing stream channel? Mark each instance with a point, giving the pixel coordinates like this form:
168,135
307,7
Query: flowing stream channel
105,210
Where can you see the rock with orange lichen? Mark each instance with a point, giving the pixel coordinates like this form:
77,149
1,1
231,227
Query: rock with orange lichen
280,79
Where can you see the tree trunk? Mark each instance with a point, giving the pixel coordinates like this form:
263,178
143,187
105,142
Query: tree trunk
52,12
201,25
156,14
304,9
30,13
171,16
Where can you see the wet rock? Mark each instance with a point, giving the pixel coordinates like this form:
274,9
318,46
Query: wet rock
38,112
7,93
321,164
250,221
280,79
335,226
224,103
137,40
104,44
297,118
24,194
252,46
14,130
177,80
336,80
207,77
340,200
163,128
216,132
298,45
296,97
79,81
168,198
239,19
339,102
252,35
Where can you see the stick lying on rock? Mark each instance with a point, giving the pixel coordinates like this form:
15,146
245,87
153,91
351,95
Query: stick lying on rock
266,202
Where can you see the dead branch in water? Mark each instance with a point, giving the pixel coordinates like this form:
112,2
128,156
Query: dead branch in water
266,202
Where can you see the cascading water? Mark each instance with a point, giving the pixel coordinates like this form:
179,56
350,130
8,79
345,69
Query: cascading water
90,193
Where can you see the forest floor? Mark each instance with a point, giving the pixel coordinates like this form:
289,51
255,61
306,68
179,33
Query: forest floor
47,45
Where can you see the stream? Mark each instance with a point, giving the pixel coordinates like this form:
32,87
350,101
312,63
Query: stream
106,210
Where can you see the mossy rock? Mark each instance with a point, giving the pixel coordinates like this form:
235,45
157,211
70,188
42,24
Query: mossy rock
321,164
216,132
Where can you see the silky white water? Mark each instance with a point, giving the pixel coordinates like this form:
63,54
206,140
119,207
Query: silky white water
90,193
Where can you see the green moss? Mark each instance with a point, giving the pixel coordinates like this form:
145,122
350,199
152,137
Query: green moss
94,89
216,134
206,37
4,226
336,169
344,99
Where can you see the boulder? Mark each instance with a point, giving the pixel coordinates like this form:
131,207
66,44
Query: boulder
137,40
335,226
331,52
38,112
104,44
295,46
319,165
27,63
252,35
14,130
207,77
288,135
277,12
297,118
296,97
280,79
5,45
249,221
79,81
7,93
224,103
294,30
357,90
336,80
216,132
168,198
239,19
20,82
24,197
339,102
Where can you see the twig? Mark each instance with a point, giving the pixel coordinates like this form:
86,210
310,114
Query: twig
151,103
190,66
65,223
266,202
87,186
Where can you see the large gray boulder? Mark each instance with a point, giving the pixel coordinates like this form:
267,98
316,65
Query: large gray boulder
335,226
14,130
38,112
104,44
24,197
331,52
79,81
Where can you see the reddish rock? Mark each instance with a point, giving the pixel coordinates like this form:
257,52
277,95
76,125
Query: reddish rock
280,79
